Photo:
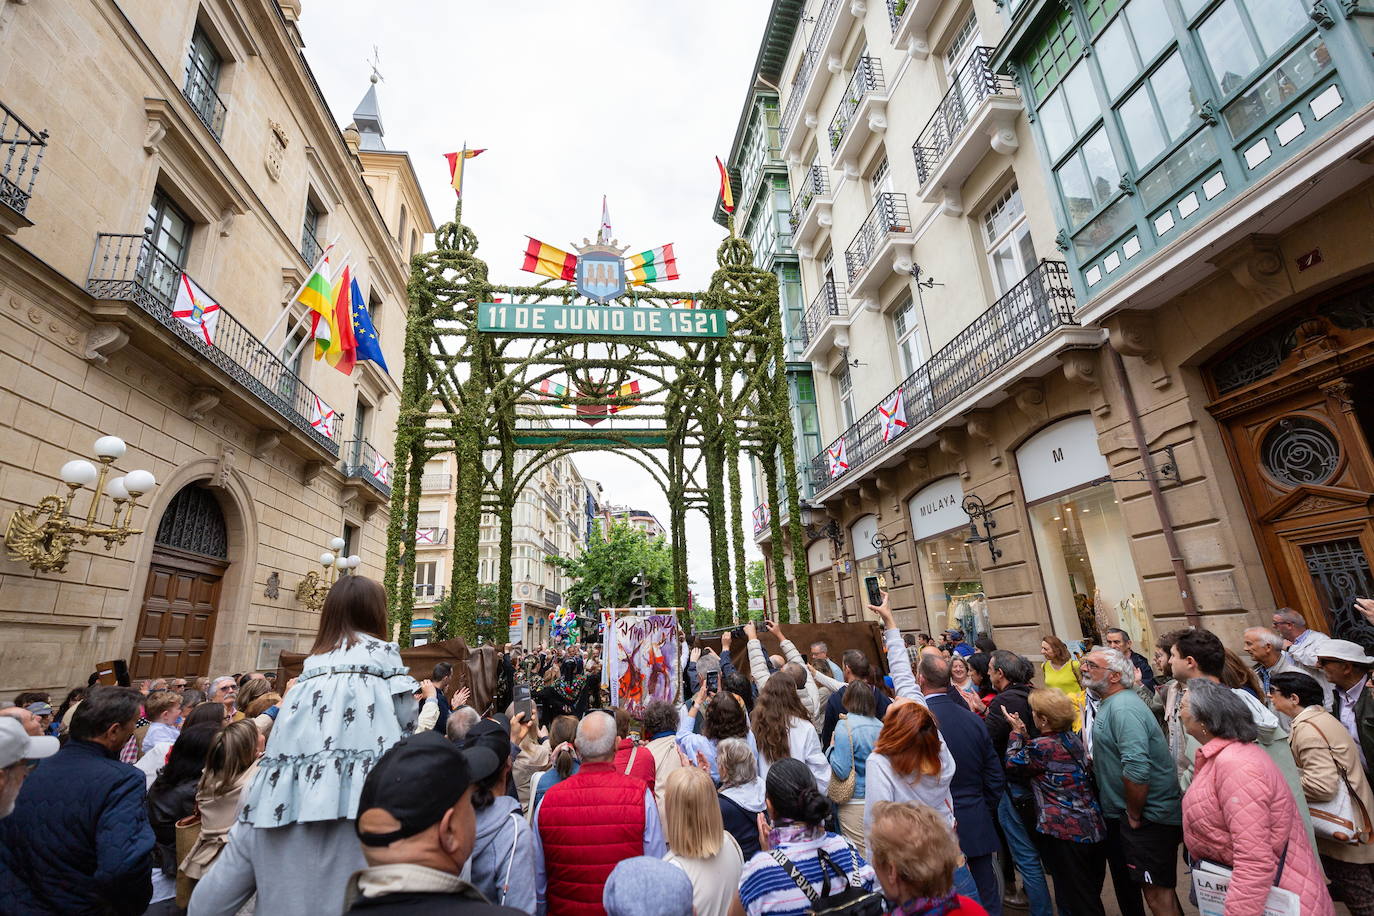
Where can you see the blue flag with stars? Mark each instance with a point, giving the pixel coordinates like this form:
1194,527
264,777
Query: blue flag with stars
369,347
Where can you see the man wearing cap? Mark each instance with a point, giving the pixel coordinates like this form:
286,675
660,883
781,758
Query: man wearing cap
26,719
1346,666
78,841
19,753
955,638
589,822
417,827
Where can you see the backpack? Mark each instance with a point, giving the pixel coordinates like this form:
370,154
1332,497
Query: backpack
853,900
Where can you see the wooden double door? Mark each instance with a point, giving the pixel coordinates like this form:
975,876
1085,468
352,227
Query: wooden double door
1296,403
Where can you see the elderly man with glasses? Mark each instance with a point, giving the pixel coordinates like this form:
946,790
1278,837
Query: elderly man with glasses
224,690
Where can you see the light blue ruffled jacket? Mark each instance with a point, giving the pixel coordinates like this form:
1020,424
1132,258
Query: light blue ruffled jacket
348,707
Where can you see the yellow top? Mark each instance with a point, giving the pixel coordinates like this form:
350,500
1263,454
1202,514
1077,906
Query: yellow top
1064,679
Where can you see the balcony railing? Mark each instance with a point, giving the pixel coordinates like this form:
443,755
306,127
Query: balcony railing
430,536
867,78
974,82
23,154
311,249
128,268
829,303
1039,304
806,69
428,592
895,10
200,92
365,463
552,598
815,184
889,214
436,481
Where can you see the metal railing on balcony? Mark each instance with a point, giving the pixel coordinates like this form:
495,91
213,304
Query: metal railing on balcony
552,598
895,10
365,463
311,249
867,79
815,183
127,267
1039,304
889,214
974,82
430,536
23,154
205,101
806,69
436,481
428,592
829,303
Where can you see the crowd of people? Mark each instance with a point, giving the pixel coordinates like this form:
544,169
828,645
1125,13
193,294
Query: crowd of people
964,780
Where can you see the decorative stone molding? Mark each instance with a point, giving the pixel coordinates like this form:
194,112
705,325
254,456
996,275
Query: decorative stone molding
228,458
1083,367
951,443
918,461
201,401
103,341
1256,263
276,148
1341,394
1029,395
1132,333
310,470
226,222
978,424
267,440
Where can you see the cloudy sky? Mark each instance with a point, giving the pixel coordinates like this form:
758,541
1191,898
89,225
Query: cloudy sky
572,100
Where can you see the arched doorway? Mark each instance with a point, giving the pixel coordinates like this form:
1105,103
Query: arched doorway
176,621
1294,400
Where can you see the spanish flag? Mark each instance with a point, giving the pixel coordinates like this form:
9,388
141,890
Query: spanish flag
329,340
727,195
549,261
455,167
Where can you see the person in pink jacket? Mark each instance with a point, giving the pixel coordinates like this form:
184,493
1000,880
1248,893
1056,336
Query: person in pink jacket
1238,811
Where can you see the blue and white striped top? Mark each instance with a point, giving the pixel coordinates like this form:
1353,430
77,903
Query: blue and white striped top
765,886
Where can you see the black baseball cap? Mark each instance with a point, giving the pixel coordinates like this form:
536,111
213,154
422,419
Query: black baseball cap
490,735
419,779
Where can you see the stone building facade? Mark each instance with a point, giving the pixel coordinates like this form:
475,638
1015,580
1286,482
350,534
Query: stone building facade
1135,349
187,141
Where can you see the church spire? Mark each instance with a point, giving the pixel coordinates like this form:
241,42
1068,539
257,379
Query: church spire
367,118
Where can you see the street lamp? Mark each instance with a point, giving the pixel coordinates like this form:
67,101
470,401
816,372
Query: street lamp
46,545
314,587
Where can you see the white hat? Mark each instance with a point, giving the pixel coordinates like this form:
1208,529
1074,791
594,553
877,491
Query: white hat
17,744
1344,650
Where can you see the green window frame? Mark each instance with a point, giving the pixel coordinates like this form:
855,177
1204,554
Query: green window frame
1053,54
1245,34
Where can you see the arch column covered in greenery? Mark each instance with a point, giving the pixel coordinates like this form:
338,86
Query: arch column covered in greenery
702,404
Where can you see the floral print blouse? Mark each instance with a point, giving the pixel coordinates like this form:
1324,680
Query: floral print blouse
1066,805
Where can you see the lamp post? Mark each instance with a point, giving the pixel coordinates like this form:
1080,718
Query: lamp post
44,537
314,586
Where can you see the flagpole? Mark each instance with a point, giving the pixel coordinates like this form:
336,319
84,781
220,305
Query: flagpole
343,264
286,311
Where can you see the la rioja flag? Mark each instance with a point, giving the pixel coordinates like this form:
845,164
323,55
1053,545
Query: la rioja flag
381,471
893,412
838,457
196,310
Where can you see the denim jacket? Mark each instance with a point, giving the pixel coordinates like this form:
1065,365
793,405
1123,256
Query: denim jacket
852,746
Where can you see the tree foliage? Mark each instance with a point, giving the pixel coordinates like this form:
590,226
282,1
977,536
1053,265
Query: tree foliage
758,579
611,562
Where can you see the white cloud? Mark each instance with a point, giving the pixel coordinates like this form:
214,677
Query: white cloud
627,98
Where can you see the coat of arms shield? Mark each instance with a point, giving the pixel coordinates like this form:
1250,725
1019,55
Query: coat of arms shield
600,276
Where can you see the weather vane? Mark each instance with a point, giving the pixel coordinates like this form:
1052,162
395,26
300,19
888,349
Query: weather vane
376,63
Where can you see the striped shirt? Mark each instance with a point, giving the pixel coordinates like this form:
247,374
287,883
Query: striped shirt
765,886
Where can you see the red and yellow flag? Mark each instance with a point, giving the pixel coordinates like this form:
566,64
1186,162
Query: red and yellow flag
727,195
549,261
455,167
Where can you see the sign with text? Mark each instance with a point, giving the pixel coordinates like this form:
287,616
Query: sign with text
937,508
553,319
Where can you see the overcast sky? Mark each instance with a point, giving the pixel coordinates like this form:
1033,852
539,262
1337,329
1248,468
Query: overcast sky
572,100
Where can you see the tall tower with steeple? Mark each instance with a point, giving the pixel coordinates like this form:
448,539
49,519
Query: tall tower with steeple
367,118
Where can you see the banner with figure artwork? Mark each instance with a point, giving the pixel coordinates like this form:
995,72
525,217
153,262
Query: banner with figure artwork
643,653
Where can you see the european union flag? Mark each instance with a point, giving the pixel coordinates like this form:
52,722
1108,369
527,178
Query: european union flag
369,347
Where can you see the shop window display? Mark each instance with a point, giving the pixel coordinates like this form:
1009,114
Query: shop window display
953,585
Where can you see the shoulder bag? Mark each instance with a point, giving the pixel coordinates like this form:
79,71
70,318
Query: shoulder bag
1211,882
1341,819
187,833
853,900
842,790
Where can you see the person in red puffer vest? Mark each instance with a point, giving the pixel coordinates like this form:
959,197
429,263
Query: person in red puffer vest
591,821
629,757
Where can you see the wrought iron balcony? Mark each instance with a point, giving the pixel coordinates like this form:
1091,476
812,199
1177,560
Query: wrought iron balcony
553,598
910,21
22,150
126,267
815,184
430,536
827,310
363,462
976,114
806,69
1040,304
430,482
867,80
199,90
889,216
428,593
311,249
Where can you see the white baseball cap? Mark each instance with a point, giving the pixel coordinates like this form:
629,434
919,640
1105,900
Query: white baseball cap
1345,651
17,744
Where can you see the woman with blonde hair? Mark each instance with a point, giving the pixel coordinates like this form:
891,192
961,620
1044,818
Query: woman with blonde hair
229,766
700,845
915,855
